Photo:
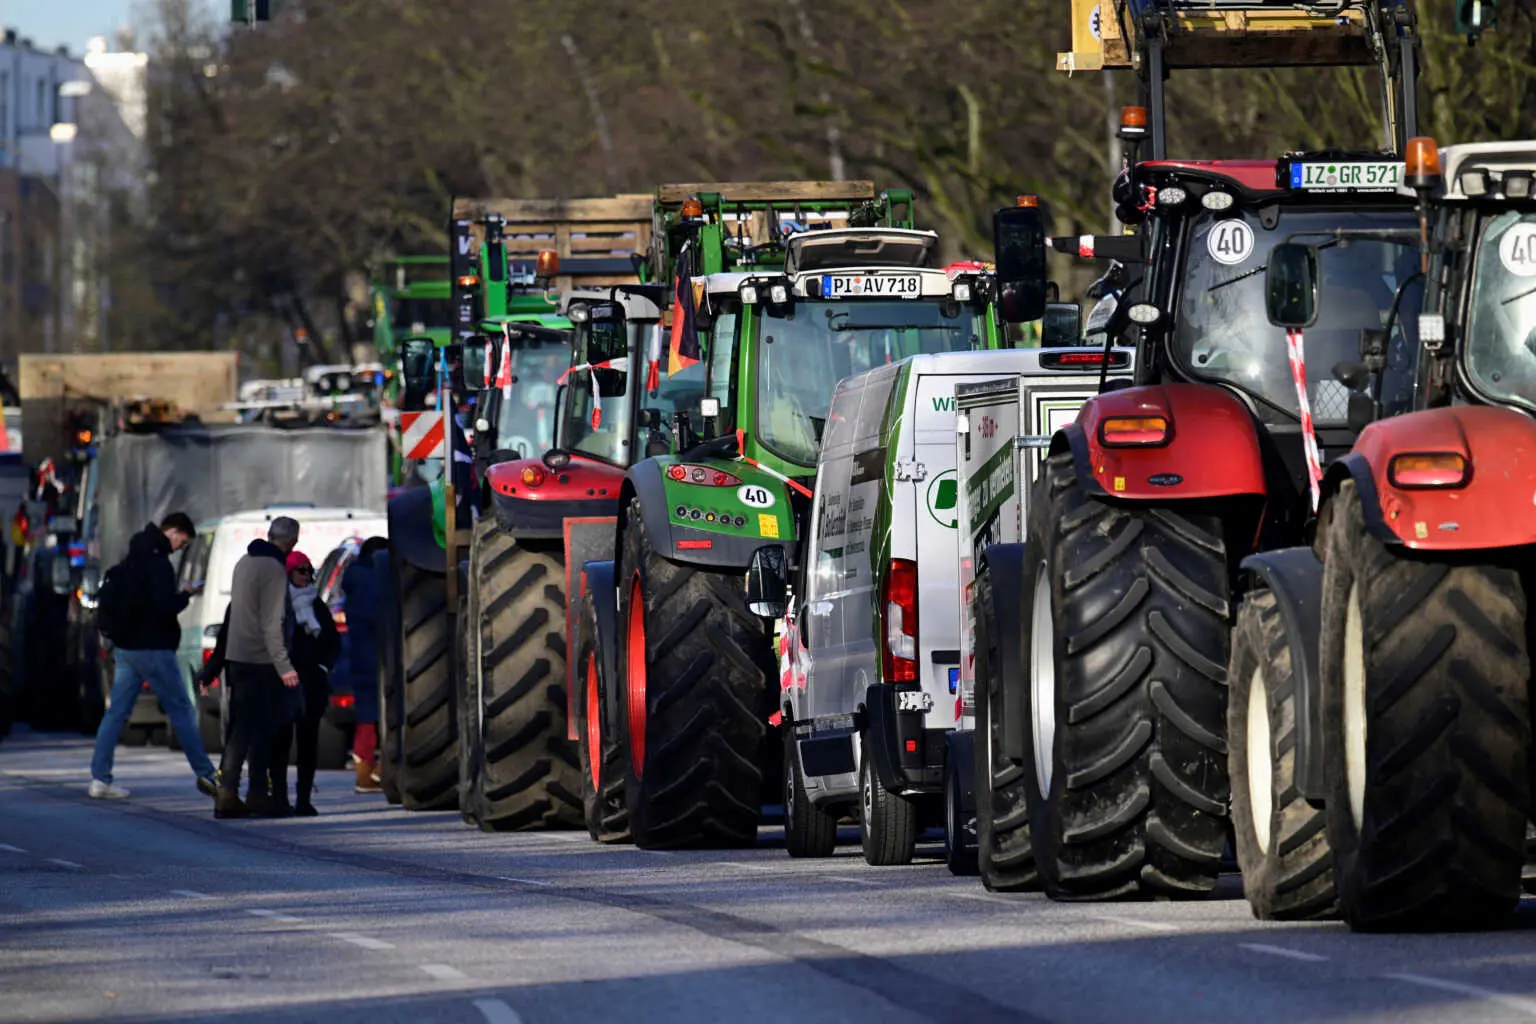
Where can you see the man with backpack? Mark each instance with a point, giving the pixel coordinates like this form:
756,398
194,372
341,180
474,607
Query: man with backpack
139,602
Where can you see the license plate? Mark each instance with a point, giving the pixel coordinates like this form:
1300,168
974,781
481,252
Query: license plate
871,286
1382,176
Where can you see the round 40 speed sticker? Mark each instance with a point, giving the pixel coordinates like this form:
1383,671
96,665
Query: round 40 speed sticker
1517,250
1230,241
753,496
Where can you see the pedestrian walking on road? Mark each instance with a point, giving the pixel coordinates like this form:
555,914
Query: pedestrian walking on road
256,644
139,602
316,645
363,583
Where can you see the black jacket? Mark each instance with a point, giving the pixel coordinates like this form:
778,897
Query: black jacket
153,595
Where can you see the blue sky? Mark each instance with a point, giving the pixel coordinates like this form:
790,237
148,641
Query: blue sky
49,23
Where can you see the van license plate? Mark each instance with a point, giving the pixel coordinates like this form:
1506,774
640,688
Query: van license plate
1378,176
871,286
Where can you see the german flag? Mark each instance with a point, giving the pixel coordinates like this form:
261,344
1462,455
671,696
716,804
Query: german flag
683,350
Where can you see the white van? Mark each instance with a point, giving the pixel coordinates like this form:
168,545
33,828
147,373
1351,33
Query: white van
871,657
211,558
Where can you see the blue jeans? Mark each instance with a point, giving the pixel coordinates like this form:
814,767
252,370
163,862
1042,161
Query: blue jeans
164,675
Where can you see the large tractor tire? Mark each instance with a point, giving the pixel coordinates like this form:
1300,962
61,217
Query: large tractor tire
528,775
809,831
429,729
698,671
1426,674
602,745
1129,711
471,747
1282,842
1005,855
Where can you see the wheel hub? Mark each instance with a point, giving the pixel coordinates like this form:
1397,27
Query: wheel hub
1260,762
1354,706
634,681
1042,682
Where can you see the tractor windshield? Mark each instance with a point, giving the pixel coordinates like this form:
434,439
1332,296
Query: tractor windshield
526,422
805,353
1500,349
1222,331
598,402
410,313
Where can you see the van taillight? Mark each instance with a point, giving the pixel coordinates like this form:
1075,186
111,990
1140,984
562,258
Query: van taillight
899,599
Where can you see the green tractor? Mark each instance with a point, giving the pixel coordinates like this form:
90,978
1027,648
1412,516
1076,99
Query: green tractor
777,291
497,379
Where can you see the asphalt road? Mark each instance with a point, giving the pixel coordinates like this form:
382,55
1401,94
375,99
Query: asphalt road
151,910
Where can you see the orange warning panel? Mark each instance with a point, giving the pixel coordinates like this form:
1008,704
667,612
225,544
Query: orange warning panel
1264,35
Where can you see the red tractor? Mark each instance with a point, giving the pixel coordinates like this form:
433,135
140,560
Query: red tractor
1403,630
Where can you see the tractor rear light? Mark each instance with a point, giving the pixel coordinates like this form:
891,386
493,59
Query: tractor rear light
534,476
1073,360
705,476
899,600
339,616
1133,431
1428,469
207,655
342,700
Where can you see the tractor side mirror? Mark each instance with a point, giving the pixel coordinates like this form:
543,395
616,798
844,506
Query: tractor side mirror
474,364
418,365
768,582
1290,285
1018,243
1061,325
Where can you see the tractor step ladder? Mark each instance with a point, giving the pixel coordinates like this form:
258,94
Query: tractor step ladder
1152,37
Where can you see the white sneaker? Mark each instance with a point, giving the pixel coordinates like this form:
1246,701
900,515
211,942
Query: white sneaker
106,791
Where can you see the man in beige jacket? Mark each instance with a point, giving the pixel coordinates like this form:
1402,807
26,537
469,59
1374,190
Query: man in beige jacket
260,629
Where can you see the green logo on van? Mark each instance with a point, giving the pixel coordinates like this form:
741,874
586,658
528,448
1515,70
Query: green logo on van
944,500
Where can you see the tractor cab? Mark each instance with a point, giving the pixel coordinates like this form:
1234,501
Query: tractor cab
615,329
844,301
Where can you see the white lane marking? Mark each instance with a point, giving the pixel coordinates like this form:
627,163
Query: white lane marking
1290,954
1136,922
986,897
442,972
522,881
191,894
497,1012
853,881
1525,1006
61,862
365,941
272,915
11,849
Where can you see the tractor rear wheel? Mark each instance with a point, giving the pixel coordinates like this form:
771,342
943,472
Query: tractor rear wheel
1129,709
697,668
471,745
429,762
527,774
601,745
1282,844
1425,674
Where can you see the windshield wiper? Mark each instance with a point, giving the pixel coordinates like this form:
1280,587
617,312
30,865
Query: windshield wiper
1518,297
1245,275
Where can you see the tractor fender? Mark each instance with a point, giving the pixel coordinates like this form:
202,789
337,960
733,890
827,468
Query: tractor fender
1012,569
598,578
1499,446
1211,451
703,547
583,487
412,535
1295,577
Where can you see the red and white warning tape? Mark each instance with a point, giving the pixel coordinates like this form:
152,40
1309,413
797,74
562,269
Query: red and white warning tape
1294,346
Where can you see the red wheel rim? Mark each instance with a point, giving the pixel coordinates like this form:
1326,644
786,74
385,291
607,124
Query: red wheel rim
594,724
634,668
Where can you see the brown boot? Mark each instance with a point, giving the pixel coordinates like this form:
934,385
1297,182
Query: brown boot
367,782
226,804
